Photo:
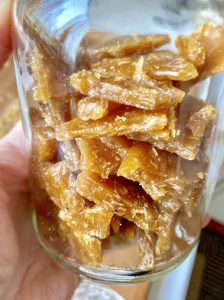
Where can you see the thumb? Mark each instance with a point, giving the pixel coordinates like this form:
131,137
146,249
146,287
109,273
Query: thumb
5,30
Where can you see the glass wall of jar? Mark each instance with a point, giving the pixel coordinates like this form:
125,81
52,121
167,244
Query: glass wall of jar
122,103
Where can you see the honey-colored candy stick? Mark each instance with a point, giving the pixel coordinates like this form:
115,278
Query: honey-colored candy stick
129,45
193,119
161,65
119,196
163,176
49,79
97,157
191,49
44,144
119,90
146,251
59,183
119,144
151,168
165,234
86,248
69,151
93,108
116,222
119,122
212,37
94,221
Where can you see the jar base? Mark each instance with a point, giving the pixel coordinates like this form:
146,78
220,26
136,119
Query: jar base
106,274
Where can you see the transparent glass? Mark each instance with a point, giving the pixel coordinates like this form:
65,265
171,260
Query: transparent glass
125,128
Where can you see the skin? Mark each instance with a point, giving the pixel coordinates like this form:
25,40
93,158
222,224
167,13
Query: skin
26,270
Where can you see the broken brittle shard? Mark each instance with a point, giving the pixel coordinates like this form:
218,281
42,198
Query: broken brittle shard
44,144
92,108
50,82
59,183
165,233
129,45
94,221
191,49
86,248
119,196
194,117
119,144
69,151
118,122
120,90
147,256
98,157
212,37
163,176
160,65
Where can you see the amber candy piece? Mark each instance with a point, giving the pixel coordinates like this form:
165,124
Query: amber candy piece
119,144
97,157
191,49
119,196
69,151
127,230
59,183
160,65
119,90
194,117
44,144
146,251
94,221
128,45
120,121
49,83
212,37
165,234
163,176
93,108
86,248
116,223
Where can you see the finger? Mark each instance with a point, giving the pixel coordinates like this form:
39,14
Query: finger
14,160
5,30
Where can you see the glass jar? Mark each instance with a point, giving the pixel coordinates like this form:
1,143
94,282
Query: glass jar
123,112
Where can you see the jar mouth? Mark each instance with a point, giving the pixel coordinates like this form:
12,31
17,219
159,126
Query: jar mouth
111,275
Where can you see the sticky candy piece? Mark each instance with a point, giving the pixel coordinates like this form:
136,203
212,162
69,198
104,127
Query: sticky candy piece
165,234
69,151
212,37
49,82
160,65
119,122
163,176
116,223
44,144
59,183
194,117
128,45
86,248
127,230
94,221
92,108
97,157
191,49
146,252
119,144
119,196
119,90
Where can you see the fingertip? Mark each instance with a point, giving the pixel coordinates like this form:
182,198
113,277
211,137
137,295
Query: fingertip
5,30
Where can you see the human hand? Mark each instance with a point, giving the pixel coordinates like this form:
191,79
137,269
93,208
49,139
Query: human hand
26,270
